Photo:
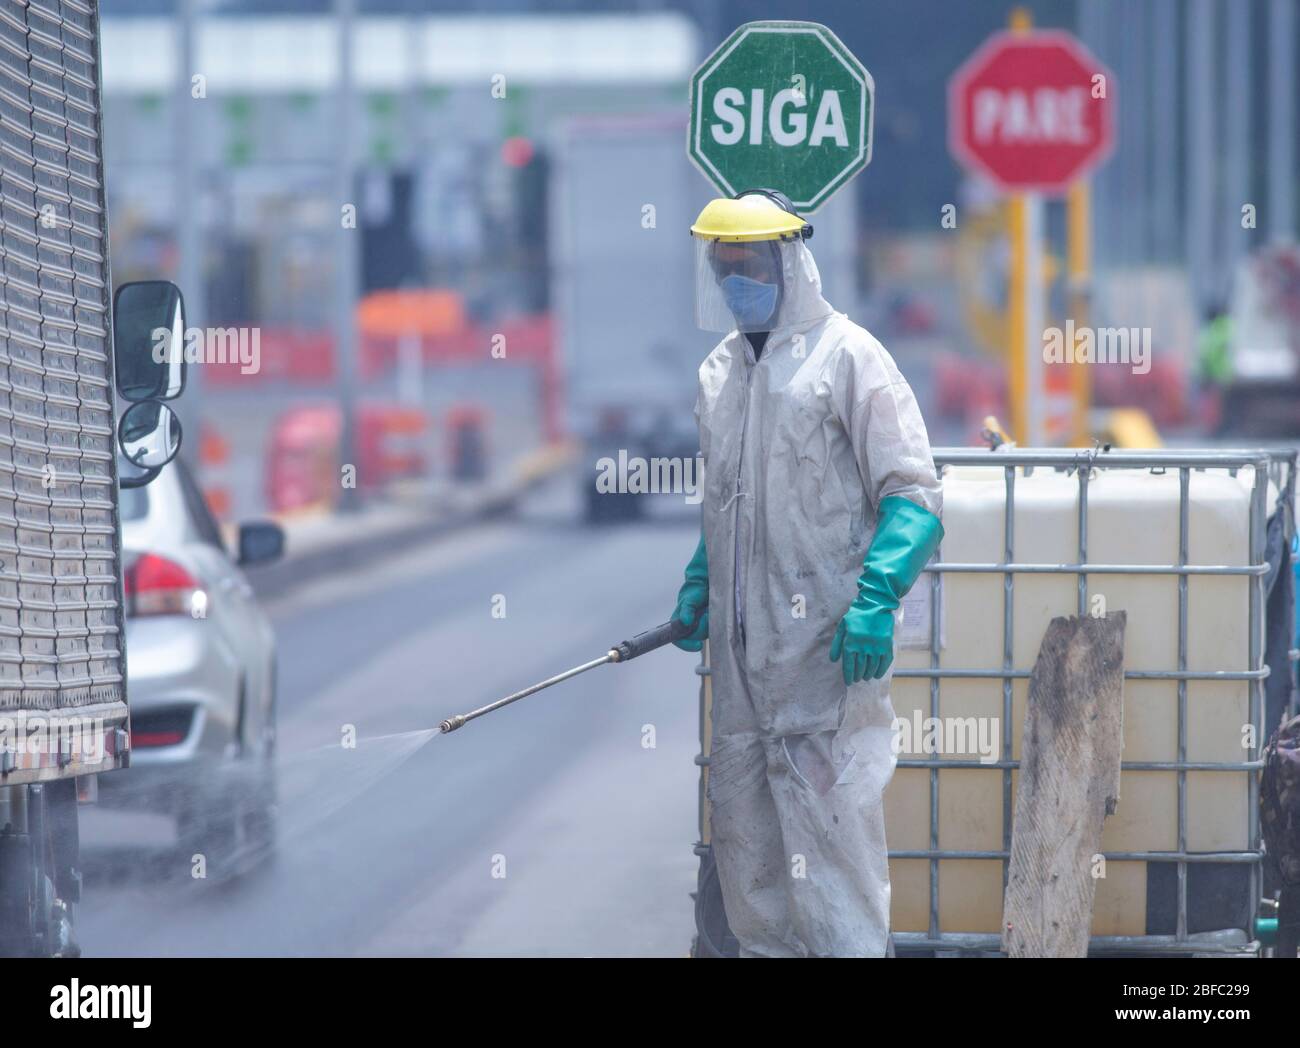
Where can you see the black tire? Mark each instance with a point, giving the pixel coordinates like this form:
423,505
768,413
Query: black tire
209,827
260,822
263,827
596,506
608,507
236,830
631,507
17,881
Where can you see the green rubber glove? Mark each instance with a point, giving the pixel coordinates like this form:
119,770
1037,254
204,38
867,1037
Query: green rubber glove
693,601
906,537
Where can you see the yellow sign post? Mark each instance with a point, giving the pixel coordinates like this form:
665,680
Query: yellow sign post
1078,225
1030,111
1024,380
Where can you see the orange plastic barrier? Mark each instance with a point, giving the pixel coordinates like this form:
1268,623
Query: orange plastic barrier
303,460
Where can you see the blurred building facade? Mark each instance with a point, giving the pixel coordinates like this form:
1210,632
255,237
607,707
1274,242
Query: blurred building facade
456,103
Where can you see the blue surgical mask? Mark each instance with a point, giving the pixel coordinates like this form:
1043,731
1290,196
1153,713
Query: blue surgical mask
751,302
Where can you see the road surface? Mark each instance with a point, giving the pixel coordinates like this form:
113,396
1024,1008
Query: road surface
560,826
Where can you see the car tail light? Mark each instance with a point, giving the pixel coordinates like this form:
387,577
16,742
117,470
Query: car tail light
165,727
145,740
158,586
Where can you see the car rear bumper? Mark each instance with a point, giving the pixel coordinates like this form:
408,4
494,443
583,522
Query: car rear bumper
184,697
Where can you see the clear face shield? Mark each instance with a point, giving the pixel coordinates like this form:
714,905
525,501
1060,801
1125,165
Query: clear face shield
738,286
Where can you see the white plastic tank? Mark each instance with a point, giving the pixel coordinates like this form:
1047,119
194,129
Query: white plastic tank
1132,519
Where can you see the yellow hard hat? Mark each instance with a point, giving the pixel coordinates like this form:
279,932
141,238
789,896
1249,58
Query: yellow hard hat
751,215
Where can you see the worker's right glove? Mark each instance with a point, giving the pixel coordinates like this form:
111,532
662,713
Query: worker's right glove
693,601
906,537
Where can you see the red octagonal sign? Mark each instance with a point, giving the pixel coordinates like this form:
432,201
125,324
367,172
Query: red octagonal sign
1031,111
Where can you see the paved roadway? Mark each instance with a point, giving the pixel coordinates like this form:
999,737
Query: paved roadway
381,855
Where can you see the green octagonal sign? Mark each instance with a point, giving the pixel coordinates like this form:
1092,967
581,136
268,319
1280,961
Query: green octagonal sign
781,105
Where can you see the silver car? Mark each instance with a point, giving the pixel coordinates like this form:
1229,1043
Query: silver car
201,665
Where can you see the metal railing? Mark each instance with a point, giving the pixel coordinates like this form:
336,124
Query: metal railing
1277,467
1280,467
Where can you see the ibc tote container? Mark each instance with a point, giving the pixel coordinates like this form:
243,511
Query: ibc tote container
1174,539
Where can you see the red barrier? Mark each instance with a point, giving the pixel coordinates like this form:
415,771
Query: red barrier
303,467
284,355
307,357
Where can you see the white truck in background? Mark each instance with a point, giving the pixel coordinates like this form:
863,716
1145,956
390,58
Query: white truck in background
1261,397
622,198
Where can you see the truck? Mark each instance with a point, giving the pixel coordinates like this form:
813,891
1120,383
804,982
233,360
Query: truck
1253,351
622,197
71,351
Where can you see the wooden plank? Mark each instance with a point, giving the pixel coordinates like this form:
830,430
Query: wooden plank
1069,783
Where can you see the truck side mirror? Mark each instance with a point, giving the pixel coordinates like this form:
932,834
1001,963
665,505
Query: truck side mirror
149,434
149,340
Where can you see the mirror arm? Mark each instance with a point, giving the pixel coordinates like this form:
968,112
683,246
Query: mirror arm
147,477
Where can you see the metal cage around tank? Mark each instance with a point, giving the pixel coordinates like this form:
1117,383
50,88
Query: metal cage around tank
1279,467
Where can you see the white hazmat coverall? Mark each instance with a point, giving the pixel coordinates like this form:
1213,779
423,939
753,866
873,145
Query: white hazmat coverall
799,447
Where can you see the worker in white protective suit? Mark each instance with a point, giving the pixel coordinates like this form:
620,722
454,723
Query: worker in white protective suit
820,509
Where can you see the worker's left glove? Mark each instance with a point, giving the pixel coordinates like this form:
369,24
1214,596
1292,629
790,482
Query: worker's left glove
693,601
906,538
